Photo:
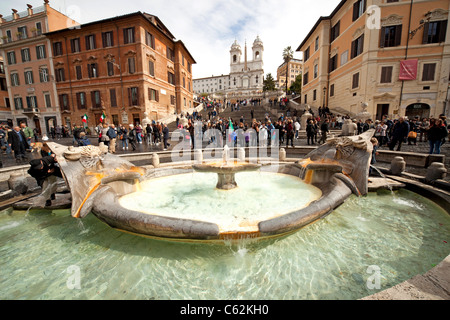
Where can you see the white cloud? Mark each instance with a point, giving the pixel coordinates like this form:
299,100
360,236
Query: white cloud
209,27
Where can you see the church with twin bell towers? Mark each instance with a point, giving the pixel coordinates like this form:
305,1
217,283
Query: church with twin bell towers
245,80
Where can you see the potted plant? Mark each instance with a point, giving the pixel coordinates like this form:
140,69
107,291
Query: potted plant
19,35
5,39
34,31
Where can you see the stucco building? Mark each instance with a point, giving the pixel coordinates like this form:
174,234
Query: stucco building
28,66
391,56
293,69
123,67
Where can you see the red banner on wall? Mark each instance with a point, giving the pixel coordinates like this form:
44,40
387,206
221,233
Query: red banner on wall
408,69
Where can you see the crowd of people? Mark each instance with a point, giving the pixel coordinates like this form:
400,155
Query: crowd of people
390,133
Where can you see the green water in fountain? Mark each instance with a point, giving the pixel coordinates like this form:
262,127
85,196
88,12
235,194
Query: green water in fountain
403,235
259,196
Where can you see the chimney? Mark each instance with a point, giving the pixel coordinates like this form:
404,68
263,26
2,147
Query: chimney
1,19
30,9
15,15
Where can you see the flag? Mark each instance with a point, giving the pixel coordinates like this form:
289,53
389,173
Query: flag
84,118
231,133
102,117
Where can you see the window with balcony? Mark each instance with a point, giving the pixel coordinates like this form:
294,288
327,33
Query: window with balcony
32,102
38,29
22,33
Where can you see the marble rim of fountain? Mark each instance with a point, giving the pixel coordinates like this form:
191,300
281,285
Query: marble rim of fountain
334,194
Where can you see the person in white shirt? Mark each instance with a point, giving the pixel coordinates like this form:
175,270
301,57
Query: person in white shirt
297,128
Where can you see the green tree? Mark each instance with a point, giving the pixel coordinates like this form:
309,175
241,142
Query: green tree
297,85
288,54
269,83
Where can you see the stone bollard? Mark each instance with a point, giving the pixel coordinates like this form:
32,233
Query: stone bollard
155,160
436,171
282,154
18,183
198,156
241,155
398,165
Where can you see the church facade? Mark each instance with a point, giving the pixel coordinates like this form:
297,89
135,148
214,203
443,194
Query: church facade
246,76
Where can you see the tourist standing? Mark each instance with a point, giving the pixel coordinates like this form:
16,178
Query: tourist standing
123,136
112,134
132,137
289,133
310,132
18,142
436,135
28,133
166,134
324,130
105,138
399,133
297,128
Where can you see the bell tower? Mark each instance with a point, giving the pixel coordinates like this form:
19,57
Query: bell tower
235,53
258,49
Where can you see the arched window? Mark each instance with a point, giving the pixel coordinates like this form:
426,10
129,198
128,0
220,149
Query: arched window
234,58
257,55
256,79
234,80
